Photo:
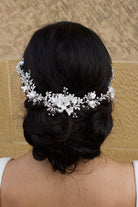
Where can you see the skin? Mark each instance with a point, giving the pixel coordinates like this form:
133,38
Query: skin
101,182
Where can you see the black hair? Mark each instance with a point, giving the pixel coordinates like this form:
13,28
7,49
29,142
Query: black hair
67,54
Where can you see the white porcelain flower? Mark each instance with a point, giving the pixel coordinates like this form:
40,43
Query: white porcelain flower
31,94
66,100
60,110
92,104
69,110
92,95
111,92
74,100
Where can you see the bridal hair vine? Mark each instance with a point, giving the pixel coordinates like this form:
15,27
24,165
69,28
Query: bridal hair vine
59,102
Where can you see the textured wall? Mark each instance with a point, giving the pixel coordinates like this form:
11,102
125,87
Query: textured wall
114,21
115,24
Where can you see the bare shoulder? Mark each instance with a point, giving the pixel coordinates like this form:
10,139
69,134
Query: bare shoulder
112,182
129,179
13,180
123,183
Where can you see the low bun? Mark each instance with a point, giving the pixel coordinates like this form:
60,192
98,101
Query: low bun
64,140
67,54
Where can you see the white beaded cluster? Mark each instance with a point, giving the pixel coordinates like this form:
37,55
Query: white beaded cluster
59,102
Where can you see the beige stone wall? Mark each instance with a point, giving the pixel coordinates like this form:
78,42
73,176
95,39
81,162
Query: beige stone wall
113,22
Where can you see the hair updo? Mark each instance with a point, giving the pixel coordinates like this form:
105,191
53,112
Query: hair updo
67,54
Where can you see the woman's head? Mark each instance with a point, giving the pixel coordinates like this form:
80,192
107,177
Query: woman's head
67,54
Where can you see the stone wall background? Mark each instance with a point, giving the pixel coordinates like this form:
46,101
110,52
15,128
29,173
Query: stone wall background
114,21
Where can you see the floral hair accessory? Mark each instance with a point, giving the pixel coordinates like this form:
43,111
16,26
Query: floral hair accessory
59,102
